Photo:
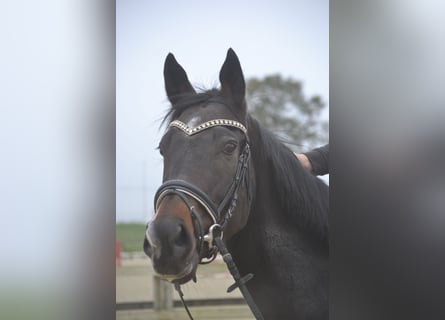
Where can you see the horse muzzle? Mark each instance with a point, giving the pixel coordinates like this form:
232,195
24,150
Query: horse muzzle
170,242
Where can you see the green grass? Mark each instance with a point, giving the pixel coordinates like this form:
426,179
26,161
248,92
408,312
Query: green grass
131,235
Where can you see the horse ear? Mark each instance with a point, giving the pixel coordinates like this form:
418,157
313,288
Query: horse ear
232,80
175,79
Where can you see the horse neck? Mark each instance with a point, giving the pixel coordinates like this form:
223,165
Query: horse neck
284,185
280,204
282,236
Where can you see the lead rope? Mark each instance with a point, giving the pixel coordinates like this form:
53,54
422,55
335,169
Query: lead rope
181,295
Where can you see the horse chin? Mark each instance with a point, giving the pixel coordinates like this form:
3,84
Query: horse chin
188,273
187,278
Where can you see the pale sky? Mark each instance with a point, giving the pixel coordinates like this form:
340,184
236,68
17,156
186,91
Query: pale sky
287,37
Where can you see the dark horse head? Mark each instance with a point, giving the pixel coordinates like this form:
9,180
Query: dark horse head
222,168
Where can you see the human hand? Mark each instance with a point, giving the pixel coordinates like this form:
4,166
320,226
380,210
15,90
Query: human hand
304,160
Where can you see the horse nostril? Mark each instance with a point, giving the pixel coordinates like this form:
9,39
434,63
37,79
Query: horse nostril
167,239
180,241
181,237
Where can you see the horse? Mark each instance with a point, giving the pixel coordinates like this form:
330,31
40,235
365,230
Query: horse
221,167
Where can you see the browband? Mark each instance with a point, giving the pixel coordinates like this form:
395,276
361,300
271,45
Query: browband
208,124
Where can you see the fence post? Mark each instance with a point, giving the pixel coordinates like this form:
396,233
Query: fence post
162,294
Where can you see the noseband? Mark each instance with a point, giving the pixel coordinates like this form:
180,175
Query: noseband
220,213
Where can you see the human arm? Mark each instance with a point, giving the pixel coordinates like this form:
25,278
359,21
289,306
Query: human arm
316,160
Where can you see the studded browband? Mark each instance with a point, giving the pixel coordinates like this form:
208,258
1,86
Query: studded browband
206,125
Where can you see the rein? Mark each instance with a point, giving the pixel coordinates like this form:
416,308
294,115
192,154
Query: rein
220,217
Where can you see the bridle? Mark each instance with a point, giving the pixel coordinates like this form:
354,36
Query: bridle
220,214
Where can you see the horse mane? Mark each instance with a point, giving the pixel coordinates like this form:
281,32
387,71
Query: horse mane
302,196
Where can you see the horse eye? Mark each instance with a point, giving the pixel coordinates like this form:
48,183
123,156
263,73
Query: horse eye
230,147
